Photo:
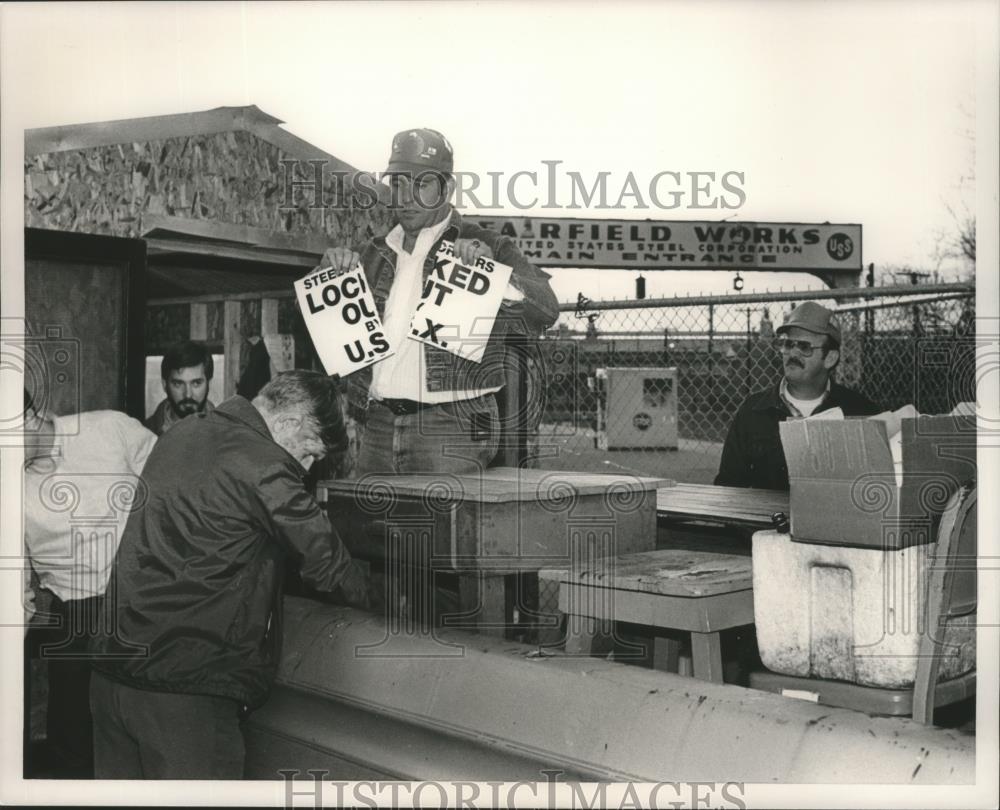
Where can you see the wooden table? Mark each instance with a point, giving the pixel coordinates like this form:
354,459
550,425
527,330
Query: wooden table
701,592
729,506
711,518
491,526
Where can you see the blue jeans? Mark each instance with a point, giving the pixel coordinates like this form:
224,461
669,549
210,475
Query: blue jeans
455,437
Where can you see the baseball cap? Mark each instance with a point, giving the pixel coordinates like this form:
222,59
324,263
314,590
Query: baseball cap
813,318
417,150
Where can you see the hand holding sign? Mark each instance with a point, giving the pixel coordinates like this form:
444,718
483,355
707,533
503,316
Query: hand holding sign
340,314
339,259
460,301
470,251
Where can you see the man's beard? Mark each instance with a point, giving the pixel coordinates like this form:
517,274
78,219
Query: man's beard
186,407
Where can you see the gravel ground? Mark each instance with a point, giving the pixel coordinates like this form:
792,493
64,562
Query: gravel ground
562,447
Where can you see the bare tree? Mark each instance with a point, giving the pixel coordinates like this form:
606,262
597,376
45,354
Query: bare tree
959,241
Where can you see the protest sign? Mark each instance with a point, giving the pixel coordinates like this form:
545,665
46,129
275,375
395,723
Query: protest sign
340,313
459,304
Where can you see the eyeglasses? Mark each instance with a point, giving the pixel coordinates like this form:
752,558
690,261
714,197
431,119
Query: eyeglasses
804,347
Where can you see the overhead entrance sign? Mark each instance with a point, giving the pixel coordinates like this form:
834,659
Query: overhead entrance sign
682,245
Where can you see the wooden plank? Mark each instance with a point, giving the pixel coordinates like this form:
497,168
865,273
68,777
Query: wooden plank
268,316
763,498
735,503
281,349
742,521
578,479
227,250
218,298
724,505
507,483
504,484
233,347
678,572
164,228
687,502
510,451
199,322
701,614
706,654
708,509
482,599
666,654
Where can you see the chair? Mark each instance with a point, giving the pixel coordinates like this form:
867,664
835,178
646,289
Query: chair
951,593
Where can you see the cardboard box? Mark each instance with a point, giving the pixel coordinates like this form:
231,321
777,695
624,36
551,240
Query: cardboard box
843,483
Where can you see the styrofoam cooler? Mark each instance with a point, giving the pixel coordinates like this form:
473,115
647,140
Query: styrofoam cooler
850,614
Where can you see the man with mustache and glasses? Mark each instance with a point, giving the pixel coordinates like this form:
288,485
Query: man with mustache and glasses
186,373
809,343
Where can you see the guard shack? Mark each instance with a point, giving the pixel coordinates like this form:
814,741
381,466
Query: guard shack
189,226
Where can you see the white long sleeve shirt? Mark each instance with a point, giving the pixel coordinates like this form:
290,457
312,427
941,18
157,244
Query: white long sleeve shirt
403,375
77,500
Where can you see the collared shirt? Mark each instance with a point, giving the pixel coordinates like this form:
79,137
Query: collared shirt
801,407
76,501
401,376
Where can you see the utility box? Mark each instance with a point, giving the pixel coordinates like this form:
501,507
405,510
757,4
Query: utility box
637,408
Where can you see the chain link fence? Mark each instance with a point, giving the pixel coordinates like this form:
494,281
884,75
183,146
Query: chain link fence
651,387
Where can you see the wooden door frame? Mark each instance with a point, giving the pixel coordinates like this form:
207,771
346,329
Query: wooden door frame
41,244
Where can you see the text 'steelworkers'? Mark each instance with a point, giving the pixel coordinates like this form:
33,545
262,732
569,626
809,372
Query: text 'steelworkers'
344,324
459,304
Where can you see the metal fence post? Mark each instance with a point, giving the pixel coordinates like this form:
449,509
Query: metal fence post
749,350
711,353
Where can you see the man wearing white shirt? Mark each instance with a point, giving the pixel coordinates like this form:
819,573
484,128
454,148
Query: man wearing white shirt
425,409
81,479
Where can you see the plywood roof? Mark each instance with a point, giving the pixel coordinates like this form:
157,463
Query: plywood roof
252,119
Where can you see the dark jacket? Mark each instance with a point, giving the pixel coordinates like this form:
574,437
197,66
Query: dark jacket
752,455
194,595
446,371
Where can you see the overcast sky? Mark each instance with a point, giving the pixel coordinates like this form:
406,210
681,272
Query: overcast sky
843,112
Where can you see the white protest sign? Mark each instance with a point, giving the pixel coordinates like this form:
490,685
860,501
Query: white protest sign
459,304
340,313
